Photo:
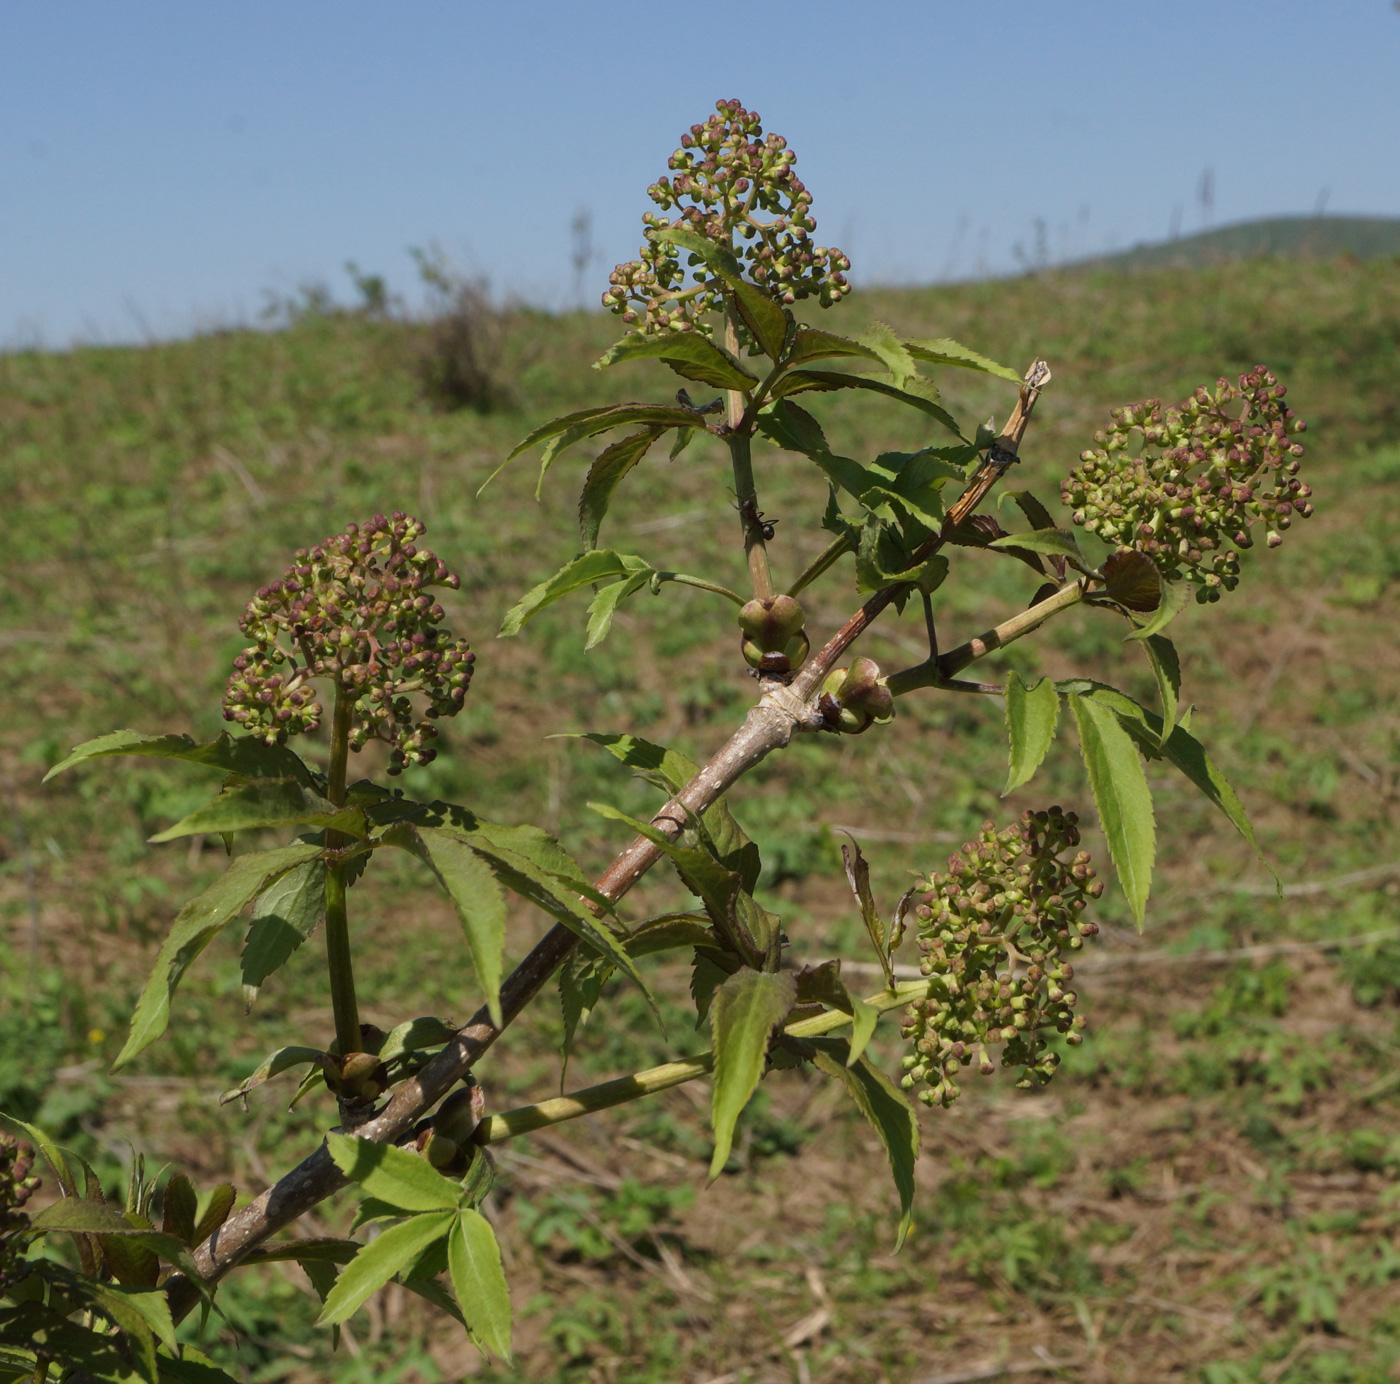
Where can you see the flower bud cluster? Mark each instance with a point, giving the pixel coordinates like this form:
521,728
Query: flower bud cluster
16,1184
725,174
358,610
1209,471
775,640
992,929
854,699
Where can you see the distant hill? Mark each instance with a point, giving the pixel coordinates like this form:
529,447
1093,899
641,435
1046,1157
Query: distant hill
1283,237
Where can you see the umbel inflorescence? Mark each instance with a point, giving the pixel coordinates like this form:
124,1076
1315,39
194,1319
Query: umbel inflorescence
358,610
992,929
729,179
1209,470
16,1184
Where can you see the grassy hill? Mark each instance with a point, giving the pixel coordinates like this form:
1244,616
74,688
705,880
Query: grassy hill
1210,1190
1277,237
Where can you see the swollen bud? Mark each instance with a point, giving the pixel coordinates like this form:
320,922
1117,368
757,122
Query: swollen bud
855,698
774,638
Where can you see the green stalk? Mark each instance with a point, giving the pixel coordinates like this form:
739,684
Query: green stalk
344,1005
820,565
936,672
497,1128
739,440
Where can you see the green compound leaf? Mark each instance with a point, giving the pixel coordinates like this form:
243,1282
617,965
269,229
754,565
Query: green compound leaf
1031,713
283,1060
216,1209
1122,796
193,1367
824,985
1180,748
562,433
392,1174
178,1212
261,803
284,916
811,343
690,354
1176,595
801,380
1054,542
946,351
478,899
1166,668
604,605
195,926
596,566
581,980
605,475
474,1262
891,353
890,1114
762,316
393,1249
246,755
743,1014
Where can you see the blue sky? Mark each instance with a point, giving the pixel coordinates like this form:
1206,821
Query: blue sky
166,164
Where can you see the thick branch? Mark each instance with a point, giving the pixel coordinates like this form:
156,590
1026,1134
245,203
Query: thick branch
769,725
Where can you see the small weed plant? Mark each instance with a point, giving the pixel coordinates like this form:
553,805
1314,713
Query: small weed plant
354,641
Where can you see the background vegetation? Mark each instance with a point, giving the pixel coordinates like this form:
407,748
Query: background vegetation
1211,1188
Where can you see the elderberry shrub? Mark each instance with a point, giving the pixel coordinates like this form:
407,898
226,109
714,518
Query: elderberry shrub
992,929
1209,470
16,1184
356,609
726,173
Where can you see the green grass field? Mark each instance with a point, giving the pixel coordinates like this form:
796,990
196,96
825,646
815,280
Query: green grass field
1210,1189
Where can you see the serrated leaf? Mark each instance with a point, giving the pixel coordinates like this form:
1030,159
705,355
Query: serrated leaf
1131,578
1176,595
414,1035
583,571
1031,713
1166,668
381,1259
1122,796
691,354
98,1356
891,1116
670,771
891,352
858,876
178,1211
258,804
799,381
762,316
743,1014
581,980
474,1262
284,1059
193,1367
562,433
477,898
790,426
824,985
246,755
945,351
669,932
195,926
392,1174
1055,542
603,606
218,1203
284,916
1036,514
605,475
811,343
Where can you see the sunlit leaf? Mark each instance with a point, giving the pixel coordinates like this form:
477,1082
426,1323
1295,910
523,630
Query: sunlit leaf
284,916
946,351
1121,794
246,755
391,1250
691,354
262,803
474,1262
597,566
743,1014
392,1174
1031,713
605,475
